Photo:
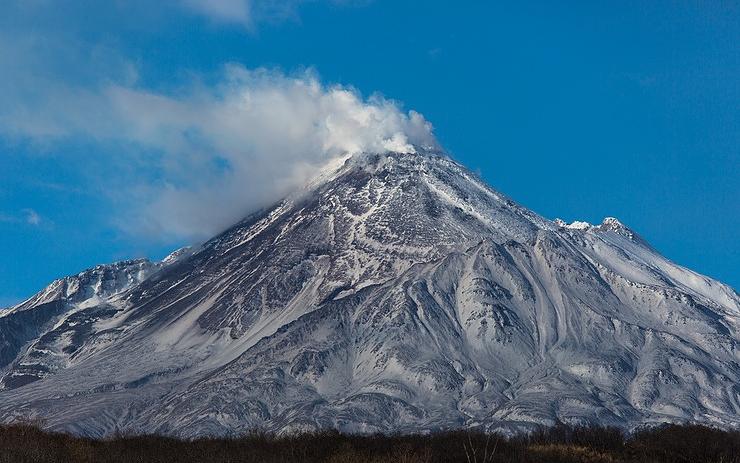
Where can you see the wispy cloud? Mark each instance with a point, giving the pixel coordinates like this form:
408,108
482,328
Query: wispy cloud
230,11
31,217
57,187
25,216
249,13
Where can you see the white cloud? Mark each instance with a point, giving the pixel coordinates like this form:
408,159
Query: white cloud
32,217
220,150
190,162
249,12
26,216
235,11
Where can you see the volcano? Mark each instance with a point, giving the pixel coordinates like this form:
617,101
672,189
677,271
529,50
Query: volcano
396,292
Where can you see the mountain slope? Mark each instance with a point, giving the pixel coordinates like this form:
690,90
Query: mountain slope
395,293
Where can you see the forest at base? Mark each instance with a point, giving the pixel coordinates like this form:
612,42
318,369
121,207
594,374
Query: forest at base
20,443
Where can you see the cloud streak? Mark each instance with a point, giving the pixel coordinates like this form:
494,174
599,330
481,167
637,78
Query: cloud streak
27,216
230,11
248,13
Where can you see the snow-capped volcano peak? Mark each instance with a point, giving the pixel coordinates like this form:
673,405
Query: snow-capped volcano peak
394,292
609,224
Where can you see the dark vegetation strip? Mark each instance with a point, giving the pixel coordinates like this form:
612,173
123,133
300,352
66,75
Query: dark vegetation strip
28,443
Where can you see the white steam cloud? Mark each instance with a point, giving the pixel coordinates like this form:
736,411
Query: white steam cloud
220,150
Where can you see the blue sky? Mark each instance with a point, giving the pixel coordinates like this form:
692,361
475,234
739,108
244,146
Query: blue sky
579,110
